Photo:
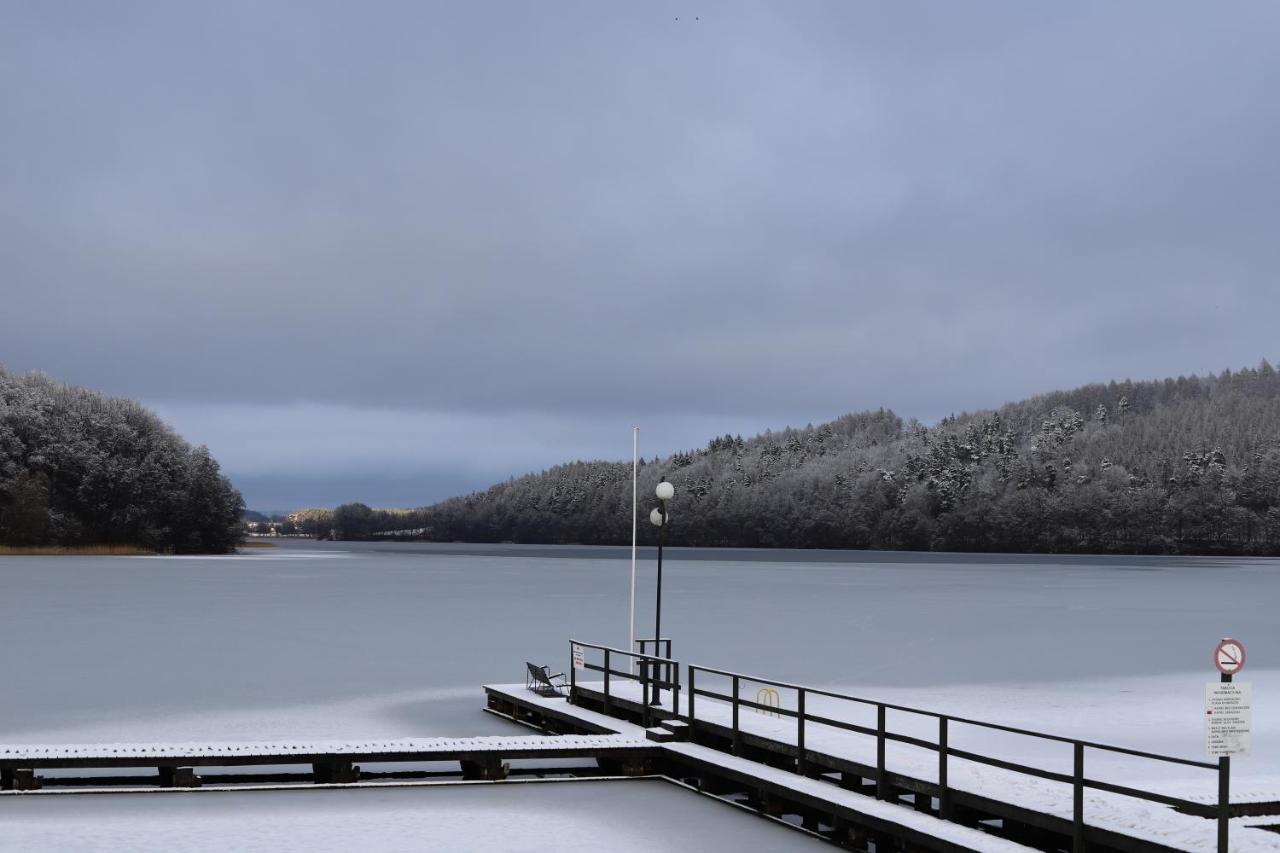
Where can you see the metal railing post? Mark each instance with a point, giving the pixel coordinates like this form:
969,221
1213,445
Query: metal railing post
944,794
1077,798
693,692
675,693
800,768
737,739
573,673
882,782
1224,802
606,681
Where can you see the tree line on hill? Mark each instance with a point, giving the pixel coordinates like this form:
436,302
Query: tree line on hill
1187,465
79,468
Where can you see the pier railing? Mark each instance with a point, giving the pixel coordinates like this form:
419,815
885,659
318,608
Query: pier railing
661,646
655,674
766,702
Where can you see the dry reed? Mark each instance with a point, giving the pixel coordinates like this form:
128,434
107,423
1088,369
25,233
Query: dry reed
73,551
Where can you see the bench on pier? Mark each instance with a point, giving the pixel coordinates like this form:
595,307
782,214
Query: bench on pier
540,681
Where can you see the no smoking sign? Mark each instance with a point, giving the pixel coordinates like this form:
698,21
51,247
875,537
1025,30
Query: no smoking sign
1228,657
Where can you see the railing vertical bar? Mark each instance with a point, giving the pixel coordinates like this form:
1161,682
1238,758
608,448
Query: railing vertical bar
573,672
644,689
1077,800
737,739
606,681
800,766
693,692
882,781
944,793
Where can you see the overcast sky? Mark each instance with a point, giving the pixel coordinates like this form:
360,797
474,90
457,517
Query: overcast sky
391,252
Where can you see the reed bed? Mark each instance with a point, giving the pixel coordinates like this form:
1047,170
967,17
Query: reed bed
73,551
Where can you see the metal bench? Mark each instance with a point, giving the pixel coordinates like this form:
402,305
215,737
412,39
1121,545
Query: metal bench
540,681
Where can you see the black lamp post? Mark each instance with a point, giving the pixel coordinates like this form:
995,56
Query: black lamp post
659,517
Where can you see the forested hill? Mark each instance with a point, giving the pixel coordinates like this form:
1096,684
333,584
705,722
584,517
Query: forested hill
1190,465
78,468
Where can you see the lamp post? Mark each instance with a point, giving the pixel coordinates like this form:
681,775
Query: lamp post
659,518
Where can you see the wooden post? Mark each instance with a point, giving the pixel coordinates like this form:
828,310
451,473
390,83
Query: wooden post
26,780
18,779
882,780
178,777
1077,829
329,772
800,731
486,768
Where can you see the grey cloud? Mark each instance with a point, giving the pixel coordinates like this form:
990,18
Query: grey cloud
774,214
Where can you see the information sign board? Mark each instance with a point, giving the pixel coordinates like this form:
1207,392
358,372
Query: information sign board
1228,717
579,657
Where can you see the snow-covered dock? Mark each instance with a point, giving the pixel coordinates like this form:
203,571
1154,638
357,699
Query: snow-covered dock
848,775
331,761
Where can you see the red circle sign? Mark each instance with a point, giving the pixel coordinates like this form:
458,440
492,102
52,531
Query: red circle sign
1228,657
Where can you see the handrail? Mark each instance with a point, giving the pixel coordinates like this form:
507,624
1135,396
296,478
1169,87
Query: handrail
817,691
644,642
1076,778
650,677
618,651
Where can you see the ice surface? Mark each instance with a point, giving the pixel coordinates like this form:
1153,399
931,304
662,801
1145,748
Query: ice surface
361,641
636,816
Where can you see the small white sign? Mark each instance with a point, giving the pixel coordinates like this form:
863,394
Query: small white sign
579,657
1228,717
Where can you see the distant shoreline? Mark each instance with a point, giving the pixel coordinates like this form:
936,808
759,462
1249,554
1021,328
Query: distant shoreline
97,550
75,551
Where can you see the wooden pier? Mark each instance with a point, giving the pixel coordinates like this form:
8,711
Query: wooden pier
179,765
827,772
783,752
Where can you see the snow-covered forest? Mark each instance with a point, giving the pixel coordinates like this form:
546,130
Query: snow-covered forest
1187,465
80,468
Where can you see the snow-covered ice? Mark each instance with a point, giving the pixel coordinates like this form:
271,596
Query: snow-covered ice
634,816
362,641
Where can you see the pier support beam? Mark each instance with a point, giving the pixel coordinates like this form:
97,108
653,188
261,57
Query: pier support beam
485,769
179,777
342,772
626,765
19,780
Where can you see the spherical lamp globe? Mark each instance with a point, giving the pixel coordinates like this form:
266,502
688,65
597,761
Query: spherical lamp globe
656,517
665,491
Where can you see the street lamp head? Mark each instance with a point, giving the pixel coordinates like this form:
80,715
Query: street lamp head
665,491
656,516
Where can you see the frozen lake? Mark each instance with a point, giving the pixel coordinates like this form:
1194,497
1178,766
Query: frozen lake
334,640
637,816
